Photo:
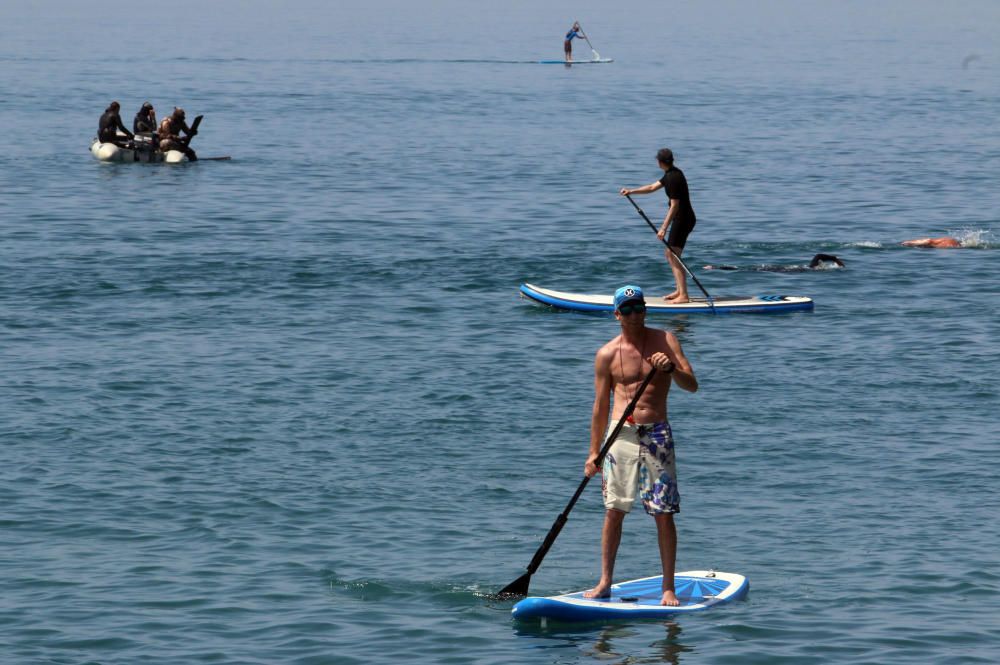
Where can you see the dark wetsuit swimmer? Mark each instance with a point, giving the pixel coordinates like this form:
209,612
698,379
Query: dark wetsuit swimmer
817,262
820,259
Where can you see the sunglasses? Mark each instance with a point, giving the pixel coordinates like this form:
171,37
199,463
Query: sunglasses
633,308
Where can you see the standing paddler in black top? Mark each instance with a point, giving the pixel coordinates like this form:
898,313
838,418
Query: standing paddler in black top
680,219
109,126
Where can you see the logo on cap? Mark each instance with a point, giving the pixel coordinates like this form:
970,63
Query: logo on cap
627,293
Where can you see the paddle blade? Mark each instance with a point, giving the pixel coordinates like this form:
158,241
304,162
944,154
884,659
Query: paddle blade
516,589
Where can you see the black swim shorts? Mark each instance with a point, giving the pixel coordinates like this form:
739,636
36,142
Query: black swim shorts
679,231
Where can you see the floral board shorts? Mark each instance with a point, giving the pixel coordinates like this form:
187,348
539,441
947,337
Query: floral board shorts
641,458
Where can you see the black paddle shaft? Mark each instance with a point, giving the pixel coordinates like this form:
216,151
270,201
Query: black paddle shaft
519,587
192,130
587,38
671,250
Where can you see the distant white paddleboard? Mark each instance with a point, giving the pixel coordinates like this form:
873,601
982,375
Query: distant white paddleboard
697,590
580,302
592,61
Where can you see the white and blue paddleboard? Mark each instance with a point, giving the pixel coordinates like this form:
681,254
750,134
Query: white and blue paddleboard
593,61
580,302
639,599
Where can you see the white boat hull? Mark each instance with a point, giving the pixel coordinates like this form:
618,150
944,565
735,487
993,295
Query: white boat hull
109,152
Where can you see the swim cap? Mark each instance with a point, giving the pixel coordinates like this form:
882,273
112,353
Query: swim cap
628,293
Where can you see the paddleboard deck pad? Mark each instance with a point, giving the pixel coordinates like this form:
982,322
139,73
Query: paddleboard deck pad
579,302
697,590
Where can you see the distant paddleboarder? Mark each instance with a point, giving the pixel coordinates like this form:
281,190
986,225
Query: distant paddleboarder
641,460
574,33
818,262
680,219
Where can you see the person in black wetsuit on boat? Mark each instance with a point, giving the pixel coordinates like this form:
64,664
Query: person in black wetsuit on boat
109,126
169,134
818,262
144,126
145,120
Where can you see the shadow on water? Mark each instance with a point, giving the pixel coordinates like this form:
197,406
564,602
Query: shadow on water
611,642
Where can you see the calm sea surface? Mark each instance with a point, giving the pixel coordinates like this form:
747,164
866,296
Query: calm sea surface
290,408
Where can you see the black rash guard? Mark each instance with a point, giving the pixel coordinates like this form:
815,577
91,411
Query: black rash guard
143,123
110,122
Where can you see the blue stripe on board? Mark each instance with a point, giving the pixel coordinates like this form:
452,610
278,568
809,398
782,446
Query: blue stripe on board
772,304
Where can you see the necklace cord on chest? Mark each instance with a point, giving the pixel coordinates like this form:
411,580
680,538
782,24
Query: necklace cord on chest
621,363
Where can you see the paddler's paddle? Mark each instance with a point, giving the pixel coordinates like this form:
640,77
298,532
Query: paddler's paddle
519,587
194,130
671,250
597,56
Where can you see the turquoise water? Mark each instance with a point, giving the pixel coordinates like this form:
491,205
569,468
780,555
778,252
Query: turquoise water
290,408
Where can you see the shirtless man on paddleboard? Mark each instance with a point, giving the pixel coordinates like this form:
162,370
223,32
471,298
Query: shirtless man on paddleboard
641,460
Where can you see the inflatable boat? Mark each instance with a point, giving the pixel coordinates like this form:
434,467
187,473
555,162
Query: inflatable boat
138,150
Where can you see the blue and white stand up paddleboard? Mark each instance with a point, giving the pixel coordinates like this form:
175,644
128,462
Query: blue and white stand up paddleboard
638,599
593,61
579,302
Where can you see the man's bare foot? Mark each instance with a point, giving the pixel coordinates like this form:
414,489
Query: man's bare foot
679,300
602,590
670,296
669,599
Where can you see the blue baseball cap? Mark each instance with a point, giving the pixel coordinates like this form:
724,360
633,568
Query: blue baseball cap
628,293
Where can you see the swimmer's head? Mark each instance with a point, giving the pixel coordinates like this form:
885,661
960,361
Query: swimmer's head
821,259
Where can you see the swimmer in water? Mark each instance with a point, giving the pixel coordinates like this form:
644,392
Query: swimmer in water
820,259
944,242
818,262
